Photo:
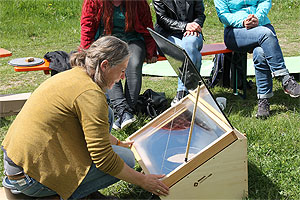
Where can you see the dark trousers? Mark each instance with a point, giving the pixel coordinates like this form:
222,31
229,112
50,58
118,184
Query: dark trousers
126,100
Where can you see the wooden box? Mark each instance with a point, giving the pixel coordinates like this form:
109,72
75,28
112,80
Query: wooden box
216,166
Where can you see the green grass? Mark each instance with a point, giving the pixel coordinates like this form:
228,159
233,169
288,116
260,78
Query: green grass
35,27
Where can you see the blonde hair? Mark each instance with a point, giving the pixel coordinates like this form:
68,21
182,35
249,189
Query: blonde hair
109,48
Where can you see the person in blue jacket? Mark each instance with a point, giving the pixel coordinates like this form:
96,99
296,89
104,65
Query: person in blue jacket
248,29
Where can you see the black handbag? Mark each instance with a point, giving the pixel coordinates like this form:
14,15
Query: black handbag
151,103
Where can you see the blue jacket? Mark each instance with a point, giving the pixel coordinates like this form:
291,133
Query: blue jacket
234,12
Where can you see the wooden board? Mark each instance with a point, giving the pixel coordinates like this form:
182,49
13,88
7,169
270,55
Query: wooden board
4,53
11,104
44,67
215,48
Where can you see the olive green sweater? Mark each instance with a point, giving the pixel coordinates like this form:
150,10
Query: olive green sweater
61,129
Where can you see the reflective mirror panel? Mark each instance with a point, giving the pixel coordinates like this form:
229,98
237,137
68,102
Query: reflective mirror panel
186,71
162,146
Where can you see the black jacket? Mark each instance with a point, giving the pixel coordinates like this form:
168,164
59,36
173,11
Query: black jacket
168,21
59,61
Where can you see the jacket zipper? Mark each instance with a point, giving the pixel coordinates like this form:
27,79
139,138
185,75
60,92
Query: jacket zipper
171,10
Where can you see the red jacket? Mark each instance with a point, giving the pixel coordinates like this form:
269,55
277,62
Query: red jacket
90,20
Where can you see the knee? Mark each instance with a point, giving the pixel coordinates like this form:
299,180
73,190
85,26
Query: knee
193,43
266,32
130,160
126,155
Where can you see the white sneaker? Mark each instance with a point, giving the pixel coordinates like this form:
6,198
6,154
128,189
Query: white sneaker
127,119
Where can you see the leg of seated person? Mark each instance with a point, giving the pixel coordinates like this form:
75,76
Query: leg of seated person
264,82
134,72
118,102
124,103
263,74
117,97
193,46
244,40
96,179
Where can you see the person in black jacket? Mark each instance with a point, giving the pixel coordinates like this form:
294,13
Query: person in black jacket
181,21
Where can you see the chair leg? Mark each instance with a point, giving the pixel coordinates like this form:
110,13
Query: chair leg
226,70
234,63
244,73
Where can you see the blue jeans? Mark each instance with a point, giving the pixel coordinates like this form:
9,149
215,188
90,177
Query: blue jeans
27,186
267,55
192,45
94,180
126,100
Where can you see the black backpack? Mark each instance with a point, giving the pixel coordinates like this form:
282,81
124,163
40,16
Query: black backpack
151,103
221,73
216,74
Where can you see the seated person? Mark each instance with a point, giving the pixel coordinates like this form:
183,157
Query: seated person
128,21
59,144
247,29
181,21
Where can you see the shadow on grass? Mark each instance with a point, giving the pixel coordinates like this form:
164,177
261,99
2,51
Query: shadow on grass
124,190
284,102
260,186
280,102
236,104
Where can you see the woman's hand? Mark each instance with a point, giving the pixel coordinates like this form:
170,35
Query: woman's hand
251,22
149,182
151,60
193,27
187,33
125,144
116,141
153,184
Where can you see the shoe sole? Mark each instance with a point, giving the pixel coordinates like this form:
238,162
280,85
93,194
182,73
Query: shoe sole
291,94
127,123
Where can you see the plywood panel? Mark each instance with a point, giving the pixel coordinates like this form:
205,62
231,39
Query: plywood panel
199,159
224,176
11,104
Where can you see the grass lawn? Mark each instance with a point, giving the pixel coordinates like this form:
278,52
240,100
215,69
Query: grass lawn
35,27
